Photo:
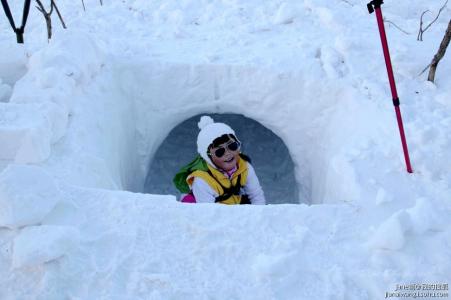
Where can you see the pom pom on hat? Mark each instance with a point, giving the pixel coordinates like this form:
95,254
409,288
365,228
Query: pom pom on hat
209,131
205,121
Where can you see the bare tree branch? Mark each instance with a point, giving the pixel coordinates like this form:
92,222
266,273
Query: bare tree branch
440,53
48,20
51,7
347,2
424,70
421,30
40,9
83,2
396,26
59,14
48,15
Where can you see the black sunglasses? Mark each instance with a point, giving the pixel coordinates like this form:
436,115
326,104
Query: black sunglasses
233,146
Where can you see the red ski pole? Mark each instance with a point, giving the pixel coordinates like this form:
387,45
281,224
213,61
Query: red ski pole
375,5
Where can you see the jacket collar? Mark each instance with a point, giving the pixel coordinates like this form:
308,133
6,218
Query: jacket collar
241,167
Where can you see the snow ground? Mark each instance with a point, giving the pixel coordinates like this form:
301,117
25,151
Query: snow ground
89,110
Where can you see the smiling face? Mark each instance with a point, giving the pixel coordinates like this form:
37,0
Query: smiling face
229,158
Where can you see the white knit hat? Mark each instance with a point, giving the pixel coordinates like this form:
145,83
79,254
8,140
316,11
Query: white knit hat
209,131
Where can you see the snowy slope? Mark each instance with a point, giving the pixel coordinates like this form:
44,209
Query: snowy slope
82,117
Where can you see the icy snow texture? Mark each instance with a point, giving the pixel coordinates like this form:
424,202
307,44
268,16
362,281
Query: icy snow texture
27,195
36,245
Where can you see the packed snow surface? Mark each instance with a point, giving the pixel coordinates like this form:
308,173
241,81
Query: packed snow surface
96,118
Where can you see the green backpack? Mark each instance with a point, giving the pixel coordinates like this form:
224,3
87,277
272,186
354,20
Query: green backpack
180,178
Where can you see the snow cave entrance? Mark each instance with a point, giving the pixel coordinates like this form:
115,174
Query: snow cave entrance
270,158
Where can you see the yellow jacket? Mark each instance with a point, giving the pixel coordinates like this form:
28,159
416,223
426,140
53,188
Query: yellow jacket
218,181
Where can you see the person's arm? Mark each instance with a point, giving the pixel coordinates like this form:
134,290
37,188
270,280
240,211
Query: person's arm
202,191
253,188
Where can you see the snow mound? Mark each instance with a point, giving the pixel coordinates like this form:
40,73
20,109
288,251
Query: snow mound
286,13
5,91
67,64
25,133
55,73
391,234
27,195
426,217
13,60
36,245
28,130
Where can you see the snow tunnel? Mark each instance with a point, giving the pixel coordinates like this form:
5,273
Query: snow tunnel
137,106
148,128
270,157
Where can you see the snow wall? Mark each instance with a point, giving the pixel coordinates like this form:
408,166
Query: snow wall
134,105
304,113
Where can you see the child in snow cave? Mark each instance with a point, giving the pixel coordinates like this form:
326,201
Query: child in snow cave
220,173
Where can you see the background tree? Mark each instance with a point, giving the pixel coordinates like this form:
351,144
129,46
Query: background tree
421,30
48,16
440,53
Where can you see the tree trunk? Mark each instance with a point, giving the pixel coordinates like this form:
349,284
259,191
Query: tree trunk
440,53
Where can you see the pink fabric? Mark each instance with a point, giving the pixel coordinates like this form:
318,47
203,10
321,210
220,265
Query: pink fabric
230,173
189,198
